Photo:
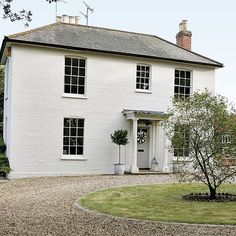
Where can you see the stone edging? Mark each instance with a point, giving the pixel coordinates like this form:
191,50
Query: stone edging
77,205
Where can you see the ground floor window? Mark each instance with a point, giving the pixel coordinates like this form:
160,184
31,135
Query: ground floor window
180,141
73,136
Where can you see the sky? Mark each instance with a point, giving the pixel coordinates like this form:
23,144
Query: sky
212,22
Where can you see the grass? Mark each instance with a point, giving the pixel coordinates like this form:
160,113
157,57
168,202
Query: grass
163,202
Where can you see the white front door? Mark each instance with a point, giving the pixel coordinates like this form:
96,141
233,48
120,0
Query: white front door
143,148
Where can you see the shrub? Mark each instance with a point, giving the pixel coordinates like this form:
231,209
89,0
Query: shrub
4,165
2,146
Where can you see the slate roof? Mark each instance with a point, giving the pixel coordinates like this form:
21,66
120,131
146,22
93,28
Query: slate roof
88,38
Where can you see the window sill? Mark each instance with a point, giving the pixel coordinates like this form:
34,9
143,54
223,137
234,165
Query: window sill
143,91
73,157
76,96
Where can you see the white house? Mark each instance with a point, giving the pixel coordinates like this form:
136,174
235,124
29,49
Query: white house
69,86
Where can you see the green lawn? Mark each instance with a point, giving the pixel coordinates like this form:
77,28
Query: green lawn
163,202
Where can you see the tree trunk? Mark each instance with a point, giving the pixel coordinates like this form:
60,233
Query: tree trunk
119,154
212,193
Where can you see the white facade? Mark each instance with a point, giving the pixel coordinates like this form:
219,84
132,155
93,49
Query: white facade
36,106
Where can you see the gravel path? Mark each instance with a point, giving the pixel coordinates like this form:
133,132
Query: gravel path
46,206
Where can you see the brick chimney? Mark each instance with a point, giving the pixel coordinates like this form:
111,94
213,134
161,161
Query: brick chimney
183,38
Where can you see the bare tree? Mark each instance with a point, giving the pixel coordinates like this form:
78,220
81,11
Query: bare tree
22,15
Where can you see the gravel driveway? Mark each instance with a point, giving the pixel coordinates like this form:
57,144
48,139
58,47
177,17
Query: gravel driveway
46,206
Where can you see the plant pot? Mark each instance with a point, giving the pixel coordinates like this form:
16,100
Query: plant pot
177,167
119,169
155,167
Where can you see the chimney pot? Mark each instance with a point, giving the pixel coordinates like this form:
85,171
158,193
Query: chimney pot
74,20
183,38
71,19
77,20
59,19
65,18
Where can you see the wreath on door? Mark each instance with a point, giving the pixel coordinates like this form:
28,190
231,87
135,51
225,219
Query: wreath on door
141,137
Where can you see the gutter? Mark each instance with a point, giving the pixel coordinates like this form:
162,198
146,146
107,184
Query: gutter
6,40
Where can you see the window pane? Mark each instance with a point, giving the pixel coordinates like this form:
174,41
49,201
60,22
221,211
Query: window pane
73,132
74,71
66,141
67,79
176,81
66,131
80,141
182,90
65,150
187,82
68,70
75,62
82,72
176,73
182,82
187,91
182,74
66,122
74,80
73,89
81,123
138,67
82,63
80,151
72,150
176,89
81,90
188,74
73,122
72,141
67,61
81,81
80,132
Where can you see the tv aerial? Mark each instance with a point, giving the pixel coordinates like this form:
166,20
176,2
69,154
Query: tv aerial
57,6
56,2
87,12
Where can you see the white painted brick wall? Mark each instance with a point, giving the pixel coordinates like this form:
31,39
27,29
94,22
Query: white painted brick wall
38,108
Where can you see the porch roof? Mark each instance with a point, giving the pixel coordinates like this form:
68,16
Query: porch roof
144,114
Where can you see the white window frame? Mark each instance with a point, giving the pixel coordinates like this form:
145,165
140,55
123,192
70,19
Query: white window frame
74,95
139,90
179,85
73,156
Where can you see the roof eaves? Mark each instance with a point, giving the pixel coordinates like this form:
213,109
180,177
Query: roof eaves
107,52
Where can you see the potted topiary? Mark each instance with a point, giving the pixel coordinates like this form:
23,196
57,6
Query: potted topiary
119,137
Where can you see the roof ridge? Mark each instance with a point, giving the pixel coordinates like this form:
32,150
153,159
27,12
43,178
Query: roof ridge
32,30
110,29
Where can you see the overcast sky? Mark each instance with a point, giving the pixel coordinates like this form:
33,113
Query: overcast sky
212,22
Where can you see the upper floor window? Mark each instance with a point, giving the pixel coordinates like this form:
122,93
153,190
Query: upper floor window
182,83
74,82
143,77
